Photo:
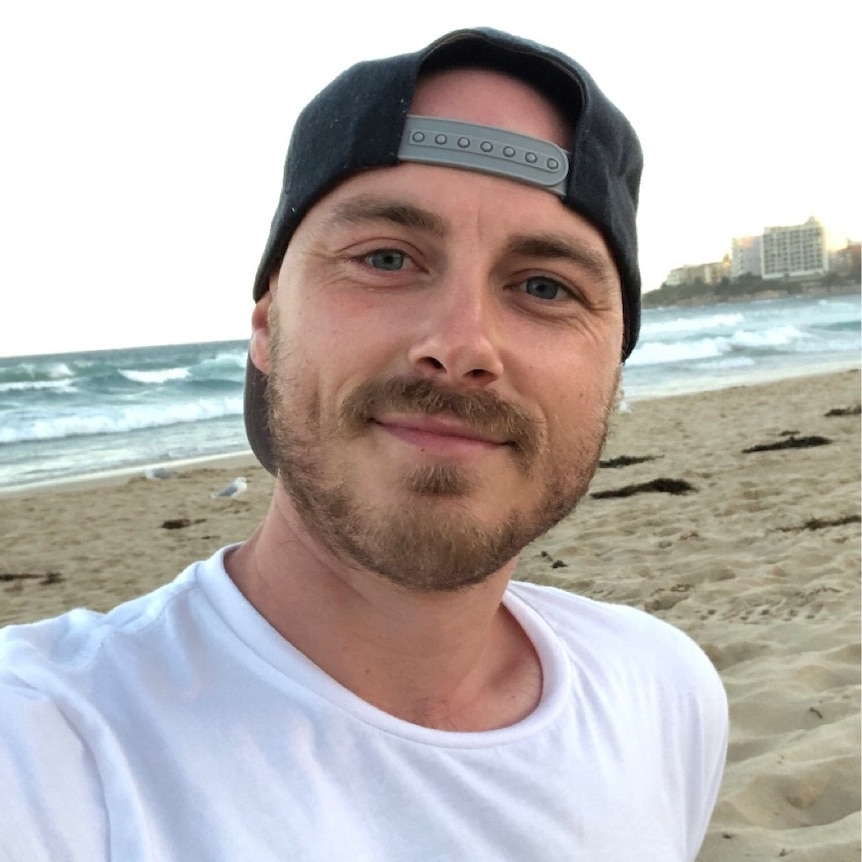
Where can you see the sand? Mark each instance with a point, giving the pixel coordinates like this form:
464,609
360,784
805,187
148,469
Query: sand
759,562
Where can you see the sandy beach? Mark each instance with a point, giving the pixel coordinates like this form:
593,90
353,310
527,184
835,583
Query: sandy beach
756,554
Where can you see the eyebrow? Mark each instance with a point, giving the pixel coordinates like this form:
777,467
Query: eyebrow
365,209
542,245
551,246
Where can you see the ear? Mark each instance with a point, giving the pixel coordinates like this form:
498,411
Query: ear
258,348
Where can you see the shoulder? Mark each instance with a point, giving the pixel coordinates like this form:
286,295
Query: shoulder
81,642
644,687
625,641
563,609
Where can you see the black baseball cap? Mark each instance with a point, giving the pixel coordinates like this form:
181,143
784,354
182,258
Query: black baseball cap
361,122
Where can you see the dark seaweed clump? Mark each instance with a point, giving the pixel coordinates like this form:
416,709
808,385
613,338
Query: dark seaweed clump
626,460
662,486
790,443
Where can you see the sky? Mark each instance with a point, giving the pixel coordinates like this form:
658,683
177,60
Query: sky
143,143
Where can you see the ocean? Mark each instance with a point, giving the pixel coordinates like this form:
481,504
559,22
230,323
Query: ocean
67,415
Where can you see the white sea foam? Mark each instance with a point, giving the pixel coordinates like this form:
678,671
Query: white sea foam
777,336
155,377
59,370
118,421
53,371
30,385
661,353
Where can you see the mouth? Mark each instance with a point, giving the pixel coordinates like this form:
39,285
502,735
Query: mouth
439,435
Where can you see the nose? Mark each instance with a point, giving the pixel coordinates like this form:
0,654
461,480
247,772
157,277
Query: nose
459,338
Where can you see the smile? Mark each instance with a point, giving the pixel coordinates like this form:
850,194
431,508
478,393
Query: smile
438,435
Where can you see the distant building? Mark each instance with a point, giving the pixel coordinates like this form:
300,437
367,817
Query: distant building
793,251
846,261
746,256
700,273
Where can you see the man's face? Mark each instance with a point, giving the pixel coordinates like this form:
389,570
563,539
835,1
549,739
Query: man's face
443,354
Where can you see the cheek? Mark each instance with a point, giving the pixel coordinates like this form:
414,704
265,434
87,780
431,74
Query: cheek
580,405
335,323
322,360
348,348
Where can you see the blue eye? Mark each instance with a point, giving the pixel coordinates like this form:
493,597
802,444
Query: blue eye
389,259
543,288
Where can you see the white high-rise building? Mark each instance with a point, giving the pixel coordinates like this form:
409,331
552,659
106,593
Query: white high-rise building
746,256
796,250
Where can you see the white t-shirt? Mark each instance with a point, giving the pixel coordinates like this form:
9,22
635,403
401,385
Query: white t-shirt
181,726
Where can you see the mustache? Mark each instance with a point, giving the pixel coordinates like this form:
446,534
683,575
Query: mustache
480,410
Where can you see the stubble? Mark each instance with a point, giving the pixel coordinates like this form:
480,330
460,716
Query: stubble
432,539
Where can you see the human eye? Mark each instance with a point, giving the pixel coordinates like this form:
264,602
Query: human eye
387,259
545,288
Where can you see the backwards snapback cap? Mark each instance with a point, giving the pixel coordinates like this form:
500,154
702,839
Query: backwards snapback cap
361,122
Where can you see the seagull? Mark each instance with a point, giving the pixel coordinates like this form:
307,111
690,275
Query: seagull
158,473
233,489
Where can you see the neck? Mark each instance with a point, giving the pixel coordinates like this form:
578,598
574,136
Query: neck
452,660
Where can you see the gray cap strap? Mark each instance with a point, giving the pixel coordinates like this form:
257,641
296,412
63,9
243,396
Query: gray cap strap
453,143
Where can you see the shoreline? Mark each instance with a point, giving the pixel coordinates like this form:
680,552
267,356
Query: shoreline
631,395
120,475
739,377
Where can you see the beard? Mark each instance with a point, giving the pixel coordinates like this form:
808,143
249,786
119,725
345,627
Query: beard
431,538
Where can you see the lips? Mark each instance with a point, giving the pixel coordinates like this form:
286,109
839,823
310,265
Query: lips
438,434
441,420
440,425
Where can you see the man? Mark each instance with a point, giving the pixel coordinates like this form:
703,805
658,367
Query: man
448,291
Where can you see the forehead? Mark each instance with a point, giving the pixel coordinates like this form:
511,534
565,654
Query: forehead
474,95
491,98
